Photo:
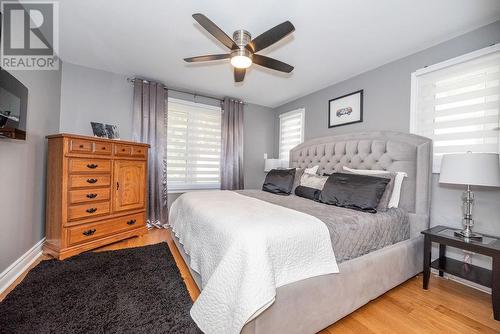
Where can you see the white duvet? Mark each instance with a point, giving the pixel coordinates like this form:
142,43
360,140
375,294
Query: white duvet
244,248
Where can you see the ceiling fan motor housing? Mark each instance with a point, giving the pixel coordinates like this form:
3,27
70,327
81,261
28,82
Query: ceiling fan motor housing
242,38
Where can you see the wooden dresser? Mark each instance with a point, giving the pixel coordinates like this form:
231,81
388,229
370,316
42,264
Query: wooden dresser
96,193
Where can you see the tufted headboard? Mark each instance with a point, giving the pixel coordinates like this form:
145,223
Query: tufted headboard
385,150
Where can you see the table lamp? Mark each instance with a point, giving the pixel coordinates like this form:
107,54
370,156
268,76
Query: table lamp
272,164
470,169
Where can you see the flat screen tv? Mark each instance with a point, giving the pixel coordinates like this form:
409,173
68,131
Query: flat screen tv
13,107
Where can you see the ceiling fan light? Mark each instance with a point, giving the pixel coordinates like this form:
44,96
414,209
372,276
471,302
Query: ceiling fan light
241,61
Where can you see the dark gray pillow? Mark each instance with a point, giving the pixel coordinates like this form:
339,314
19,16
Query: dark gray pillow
309,193
383,205
353,191
279,181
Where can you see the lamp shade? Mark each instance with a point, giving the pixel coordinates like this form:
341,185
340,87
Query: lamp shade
480,169
272,164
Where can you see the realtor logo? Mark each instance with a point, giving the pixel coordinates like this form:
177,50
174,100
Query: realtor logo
30,35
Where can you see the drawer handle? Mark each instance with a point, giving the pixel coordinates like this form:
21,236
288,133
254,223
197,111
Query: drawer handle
91,180
131,222
89,232
81,146
103,148
91,210
92,166
91,195
123,150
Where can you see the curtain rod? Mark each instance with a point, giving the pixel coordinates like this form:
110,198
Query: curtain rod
185,92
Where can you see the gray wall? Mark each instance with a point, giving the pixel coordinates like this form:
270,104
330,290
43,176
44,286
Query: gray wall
259,139
92,95
22,168
387,107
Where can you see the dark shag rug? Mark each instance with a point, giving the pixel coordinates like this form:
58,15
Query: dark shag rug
135,290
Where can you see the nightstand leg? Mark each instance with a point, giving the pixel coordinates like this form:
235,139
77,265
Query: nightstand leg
427,261
495,287
442,251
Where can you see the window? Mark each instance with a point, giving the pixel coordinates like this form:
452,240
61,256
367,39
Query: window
193,145
291,132
456,104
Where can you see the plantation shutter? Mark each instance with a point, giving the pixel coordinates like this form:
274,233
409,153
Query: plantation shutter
193,145
458,107
291,132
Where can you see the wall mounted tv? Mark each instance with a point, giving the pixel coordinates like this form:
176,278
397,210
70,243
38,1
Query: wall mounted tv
13,107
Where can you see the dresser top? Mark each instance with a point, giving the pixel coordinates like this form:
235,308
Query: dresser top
118,141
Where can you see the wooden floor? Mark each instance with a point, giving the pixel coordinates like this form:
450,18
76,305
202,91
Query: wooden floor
447,307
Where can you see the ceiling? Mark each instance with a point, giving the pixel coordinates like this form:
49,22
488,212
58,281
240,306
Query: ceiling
333,41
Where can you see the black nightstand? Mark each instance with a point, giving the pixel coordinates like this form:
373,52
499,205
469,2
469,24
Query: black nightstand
489,245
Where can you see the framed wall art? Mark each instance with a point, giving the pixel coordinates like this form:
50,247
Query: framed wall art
346,109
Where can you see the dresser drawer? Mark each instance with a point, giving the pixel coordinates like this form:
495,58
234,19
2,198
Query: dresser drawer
89,180
103,148
88,210
123,150
89,195
81,146
91,231
139,152
89,165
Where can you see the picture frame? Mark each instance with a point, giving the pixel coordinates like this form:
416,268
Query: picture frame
345,109
112,131
102,130
99,130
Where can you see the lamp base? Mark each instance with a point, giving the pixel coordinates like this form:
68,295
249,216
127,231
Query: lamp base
467,234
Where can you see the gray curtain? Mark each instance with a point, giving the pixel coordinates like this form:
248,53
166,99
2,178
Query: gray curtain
232,145
149,126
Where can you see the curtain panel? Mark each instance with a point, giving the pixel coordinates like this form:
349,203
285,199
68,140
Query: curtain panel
150,126
232,145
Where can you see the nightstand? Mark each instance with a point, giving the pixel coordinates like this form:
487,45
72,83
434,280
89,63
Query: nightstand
489,245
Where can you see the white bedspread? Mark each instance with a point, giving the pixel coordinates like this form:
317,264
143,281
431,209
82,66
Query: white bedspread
244,248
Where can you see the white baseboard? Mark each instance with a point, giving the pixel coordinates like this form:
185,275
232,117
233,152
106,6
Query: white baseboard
16,269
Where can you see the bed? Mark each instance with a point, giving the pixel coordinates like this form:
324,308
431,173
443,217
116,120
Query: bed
368,270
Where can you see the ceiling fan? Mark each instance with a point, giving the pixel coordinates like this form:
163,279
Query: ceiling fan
243,47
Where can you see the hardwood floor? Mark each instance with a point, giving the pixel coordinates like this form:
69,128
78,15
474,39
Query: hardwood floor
447,307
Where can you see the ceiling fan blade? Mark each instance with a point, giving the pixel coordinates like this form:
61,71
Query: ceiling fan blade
215,31
207,58
271,36
239,74
272,63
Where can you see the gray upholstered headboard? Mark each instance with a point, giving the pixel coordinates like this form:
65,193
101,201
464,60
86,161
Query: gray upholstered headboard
386,150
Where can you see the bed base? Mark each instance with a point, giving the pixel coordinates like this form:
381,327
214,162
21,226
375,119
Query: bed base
312,304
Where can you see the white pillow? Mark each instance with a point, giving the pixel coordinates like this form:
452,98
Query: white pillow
311,170
313,181
398,181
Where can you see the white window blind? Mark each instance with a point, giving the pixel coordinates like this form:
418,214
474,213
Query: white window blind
193,145
291,132
457,104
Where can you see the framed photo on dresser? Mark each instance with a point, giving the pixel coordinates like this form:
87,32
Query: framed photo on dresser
346,109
